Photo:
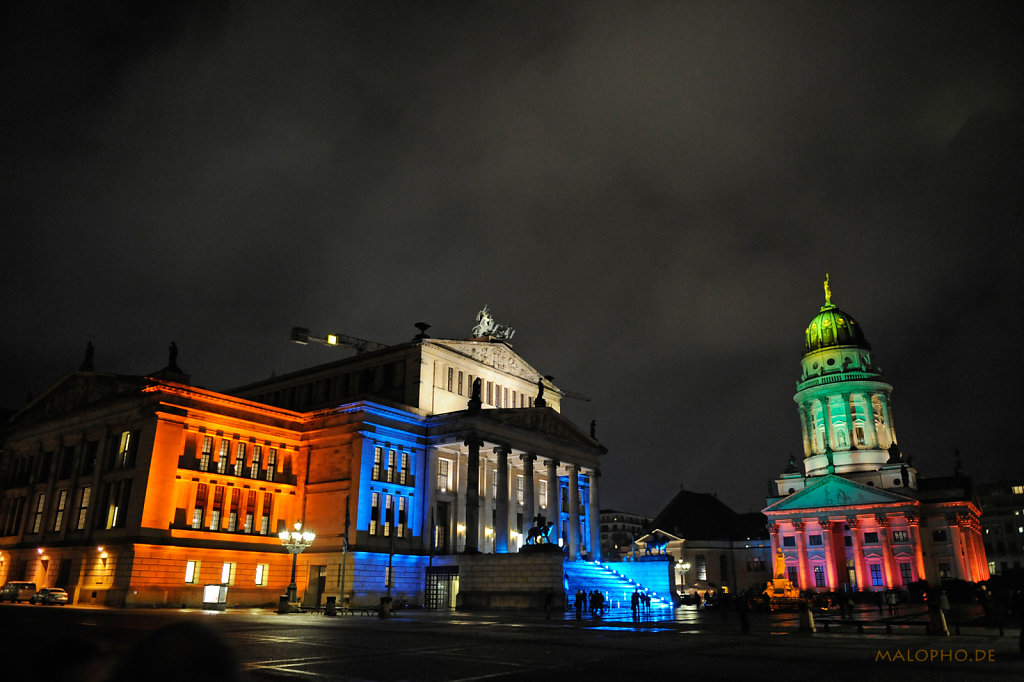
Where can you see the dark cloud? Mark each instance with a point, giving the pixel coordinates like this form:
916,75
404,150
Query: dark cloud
650,193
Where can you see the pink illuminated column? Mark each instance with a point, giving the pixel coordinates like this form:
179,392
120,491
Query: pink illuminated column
887,560
831,574
858,554
914,523
803,572
959,559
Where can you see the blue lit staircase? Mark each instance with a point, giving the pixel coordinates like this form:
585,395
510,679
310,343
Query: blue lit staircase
616,588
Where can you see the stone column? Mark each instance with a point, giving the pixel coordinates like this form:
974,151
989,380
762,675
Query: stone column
830,436
574,512
501,526
595,517
888,562
859,565
831,572
961,569
913,525
429,498
473,495
529,496
773,532
804,569
554,501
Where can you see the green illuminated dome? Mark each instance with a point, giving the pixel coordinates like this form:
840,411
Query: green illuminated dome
832,327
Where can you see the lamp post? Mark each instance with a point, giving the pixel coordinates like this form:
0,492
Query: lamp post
295,542
685,566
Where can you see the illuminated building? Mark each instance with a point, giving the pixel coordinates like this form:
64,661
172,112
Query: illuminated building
618,531
1003,525
140,490
858,516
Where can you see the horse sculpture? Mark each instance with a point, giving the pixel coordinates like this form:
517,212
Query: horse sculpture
539,535
655,546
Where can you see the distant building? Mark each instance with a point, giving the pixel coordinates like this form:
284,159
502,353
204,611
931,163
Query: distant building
856,515
713,548
618,531
1003,524
138,490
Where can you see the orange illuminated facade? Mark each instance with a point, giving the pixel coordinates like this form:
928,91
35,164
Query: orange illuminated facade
138,491
858,516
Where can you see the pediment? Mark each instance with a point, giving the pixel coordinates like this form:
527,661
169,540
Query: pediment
542,420
75,391
658,535
496,355
835,491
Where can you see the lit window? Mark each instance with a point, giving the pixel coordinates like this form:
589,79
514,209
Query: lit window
543,495
876,574
40,504
222,457
444,482
232,521
819,576
83,507
239,459
204,458
702,567
387,515
391,466
405,468
375,474
261,574
451,378
215,520
374,512
271,463
257,454
227,573
460,383
124,449
191,571
197,518
400,526
62,498
1017,489
900,536
519,489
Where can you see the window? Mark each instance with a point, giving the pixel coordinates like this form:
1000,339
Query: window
788,541
871,538
222,457
375,474
204,457
944,570
702,567
124,450
791,574
905,575
444,481
239,459
900,536
400,526
37,523
876,574
1017,489
519,489
847,541
939,535
257,454
227,573
62,499
232,520
374,512
268,504
271,463
248,522
819,576
387,515
543,494
215,520
83,507
814,541
261,574
191,572
197,518
391,466
460,383
403,472
497,396
451,379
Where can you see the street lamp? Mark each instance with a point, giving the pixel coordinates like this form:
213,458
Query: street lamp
295,542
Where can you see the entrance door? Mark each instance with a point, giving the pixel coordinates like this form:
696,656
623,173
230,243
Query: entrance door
442,586
315,588
63,573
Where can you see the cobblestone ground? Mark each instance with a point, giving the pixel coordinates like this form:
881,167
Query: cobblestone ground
417,645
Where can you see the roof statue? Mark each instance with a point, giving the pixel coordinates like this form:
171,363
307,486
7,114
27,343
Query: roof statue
486,326
828,291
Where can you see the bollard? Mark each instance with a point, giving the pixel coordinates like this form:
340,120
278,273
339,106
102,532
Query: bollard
330,609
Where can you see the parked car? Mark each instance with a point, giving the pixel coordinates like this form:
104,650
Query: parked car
17,591
50,595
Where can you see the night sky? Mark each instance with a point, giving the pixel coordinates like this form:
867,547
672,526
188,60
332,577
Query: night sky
651,193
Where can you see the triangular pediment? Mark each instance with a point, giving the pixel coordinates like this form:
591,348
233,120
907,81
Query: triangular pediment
836,491
518,427
493,354
76,390
542,420
658,535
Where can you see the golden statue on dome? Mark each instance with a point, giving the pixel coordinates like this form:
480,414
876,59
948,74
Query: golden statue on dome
828,291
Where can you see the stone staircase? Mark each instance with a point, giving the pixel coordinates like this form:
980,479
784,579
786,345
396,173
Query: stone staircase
616,588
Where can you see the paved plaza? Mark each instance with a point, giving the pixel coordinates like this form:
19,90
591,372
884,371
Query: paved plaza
450,647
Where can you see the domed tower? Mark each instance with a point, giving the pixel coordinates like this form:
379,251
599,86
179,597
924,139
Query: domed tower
843,399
